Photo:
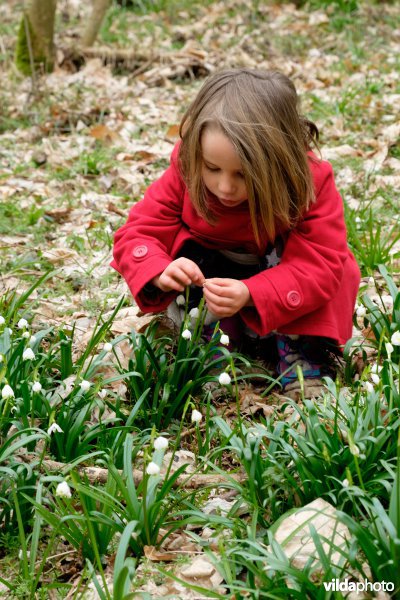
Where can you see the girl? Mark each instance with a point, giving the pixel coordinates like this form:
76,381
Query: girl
247,215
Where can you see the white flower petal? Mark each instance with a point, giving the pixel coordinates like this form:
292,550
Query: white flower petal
152,468
161,443
196,416
224,339
395,339
85,385
7,392
37,387
187,334
2,320
22,324
389,349
28,354
224,379
180,300
54,428
63,490
107,347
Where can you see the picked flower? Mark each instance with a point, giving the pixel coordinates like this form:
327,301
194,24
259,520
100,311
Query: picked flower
54,428
37,387
196,416
2,320
63,490
28,354
160,443
107,347
7,392
22,324
395,339
85,385
224,378
224,339
180,300
187,334
152,468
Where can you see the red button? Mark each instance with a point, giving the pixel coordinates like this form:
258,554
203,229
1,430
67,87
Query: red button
140,251
293,298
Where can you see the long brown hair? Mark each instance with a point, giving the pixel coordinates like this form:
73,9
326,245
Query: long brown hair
258,112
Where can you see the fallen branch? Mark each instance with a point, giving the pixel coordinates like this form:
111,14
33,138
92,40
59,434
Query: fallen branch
100,475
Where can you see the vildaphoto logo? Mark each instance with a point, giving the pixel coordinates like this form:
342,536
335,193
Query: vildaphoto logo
336,585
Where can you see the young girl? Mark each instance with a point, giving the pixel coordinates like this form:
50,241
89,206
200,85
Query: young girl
250,217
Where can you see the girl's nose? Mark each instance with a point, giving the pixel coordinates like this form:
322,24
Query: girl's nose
226,185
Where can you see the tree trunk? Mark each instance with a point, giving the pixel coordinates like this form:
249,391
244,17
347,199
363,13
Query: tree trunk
35,45
99,9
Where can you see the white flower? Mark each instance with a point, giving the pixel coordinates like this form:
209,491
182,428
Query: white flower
63,490
32,339
152,468
186,334
387,301
7,392
371,281
37,387
368,387
2,320
196,416
224,379
354,450
85,385
160,443
21,554
345,483
180,300
10,331
107,347
1,358
194,313
395,339
224,339
54,428
361,311
389,348
26,335
375,368
28,354
102,393
22,324
375,378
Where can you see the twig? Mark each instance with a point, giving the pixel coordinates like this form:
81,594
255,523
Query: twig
100,475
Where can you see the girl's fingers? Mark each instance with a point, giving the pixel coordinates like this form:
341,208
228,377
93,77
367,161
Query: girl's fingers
216,299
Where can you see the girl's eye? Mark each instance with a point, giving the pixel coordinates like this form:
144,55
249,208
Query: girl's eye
213,169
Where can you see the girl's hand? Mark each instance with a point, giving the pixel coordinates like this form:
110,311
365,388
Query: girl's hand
180,273
225,297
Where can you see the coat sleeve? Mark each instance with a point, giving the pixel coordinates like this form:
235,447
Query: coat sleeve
142,246
311,268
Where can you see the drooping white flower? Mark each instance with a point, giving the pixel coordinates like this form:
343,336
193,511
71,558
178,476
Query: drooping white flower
345,483
194,313
354,450
152,468
32,339
224,339
54,428
85,385
224,378
371,281
387,301
37,387
196,416
102,393
389,349
7,392
22,324
21,554
368,387
395,339
180,300
160,443
361,311
375,378
10,331
63,490
2,320
375,368
1,358
187,334
26,335
28,354
107,347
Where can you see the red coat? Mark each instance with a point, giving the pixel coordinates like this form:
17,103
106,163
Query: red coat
312,291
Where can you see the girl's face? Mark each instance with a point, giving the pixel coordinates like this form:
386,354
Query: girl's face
221,169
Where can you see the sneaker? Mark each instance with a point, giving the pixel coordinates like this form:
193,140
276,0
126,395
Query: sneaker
316,356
